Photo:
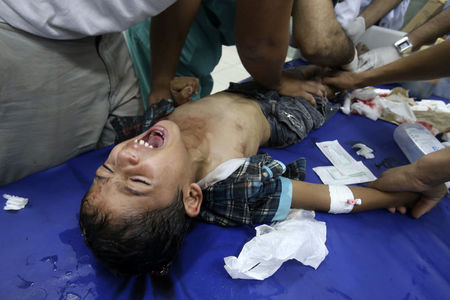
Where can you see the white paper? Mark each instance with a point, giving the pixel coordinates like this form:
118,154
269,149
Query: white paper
298,237
14,202
337,155
331,175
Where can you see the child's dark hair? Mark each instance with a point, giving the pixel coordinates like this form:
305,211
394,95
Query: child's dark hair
142,243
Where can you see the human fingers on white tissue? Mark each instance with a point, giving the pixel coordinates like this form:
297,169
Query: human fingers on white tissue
377,57
355,29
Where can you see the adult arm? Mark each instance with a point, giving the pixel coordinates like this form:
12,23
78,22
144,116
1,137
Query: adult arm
372,14
262,37
377,9
314,196
427,176
428,32
168,32
427,64
431,30
318,34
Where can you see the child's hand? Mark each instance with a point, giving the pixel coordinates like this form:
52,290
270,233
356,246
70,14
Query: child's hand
183,88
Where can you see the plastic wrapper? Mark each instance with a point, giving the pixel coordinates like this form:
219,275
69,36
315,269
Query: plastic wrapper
299,237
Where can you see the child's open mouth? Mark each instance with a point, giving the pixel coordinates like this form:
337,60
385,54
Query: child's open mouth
154,138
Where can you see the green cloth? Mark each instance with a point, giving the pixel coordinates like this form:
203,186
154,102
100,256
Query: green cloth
213,27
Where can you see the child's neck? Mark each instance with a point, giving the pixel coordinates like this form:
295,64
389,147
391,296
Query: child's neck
195,137
219,128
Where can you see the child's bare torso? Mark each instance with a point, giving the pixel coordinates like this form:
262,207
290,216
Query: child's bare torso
221,127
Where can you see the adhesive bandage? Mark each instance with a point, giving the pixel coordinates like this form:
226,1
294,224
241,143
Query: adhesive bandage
341,199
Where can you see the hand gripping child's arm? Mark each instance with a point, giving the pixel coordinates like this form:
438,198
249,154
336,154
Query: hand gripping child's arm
345,199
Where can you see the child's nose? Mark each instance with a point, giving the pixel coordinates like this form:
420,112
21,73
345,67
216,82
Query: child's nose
128,156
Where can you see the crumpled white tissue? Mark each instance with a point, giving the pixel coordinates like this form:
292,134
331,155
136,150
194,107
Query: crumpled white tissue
298,237
364,150
14,202
391,105
369,108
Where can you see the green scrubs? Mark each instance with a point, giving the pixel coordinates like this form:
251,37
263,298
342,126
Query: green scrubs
213,27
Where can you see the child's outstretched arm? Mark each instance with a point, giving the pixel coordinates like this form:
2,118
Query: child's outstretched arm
320,197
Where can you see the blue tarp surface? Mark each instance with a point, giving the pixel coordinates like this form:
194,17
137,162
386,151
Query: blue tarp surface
372,255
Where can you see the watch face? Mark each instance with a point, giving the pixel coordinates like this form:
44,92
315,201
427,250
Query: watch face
403,46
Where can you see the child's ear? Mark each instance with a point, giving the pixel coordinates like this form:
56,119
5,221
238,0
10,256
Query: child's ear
192,199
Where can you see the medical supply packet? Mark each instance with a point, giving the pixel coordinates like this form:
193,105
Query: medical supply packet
345,169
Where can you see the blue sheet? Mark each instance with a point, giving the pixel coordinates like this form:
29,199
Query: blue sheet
372,255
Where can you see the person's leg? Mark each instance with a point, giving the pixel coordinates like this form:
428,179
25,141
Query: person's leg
318,35
53,101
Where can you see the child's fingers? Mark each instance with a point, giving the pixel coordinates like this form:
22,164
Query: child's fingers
391,210
187,92
401,209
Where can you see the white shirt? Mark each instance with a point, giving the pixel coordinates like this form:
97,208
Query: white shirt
72,19
223,171
348,10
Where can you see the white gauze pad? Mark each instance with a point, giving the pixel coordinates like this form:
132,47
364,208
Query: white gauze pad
341,199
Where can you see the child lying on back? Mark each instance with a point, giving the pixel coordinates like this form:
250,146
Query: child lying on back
201,162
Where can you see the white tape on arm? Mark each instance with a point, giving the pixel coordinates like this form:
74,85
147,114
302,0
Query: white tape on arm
341,199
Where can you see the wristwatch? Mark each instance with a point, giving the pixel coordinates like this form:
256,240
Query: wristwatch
403,45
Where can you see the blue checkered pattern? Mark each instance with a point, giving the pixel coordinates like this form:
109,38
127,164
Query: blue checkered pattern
251,195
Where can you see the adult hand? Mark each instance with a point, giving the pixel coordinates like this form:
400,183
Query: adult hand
377,57
183,88
292,84
355,29
402,179
157,94
343,80
310,72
